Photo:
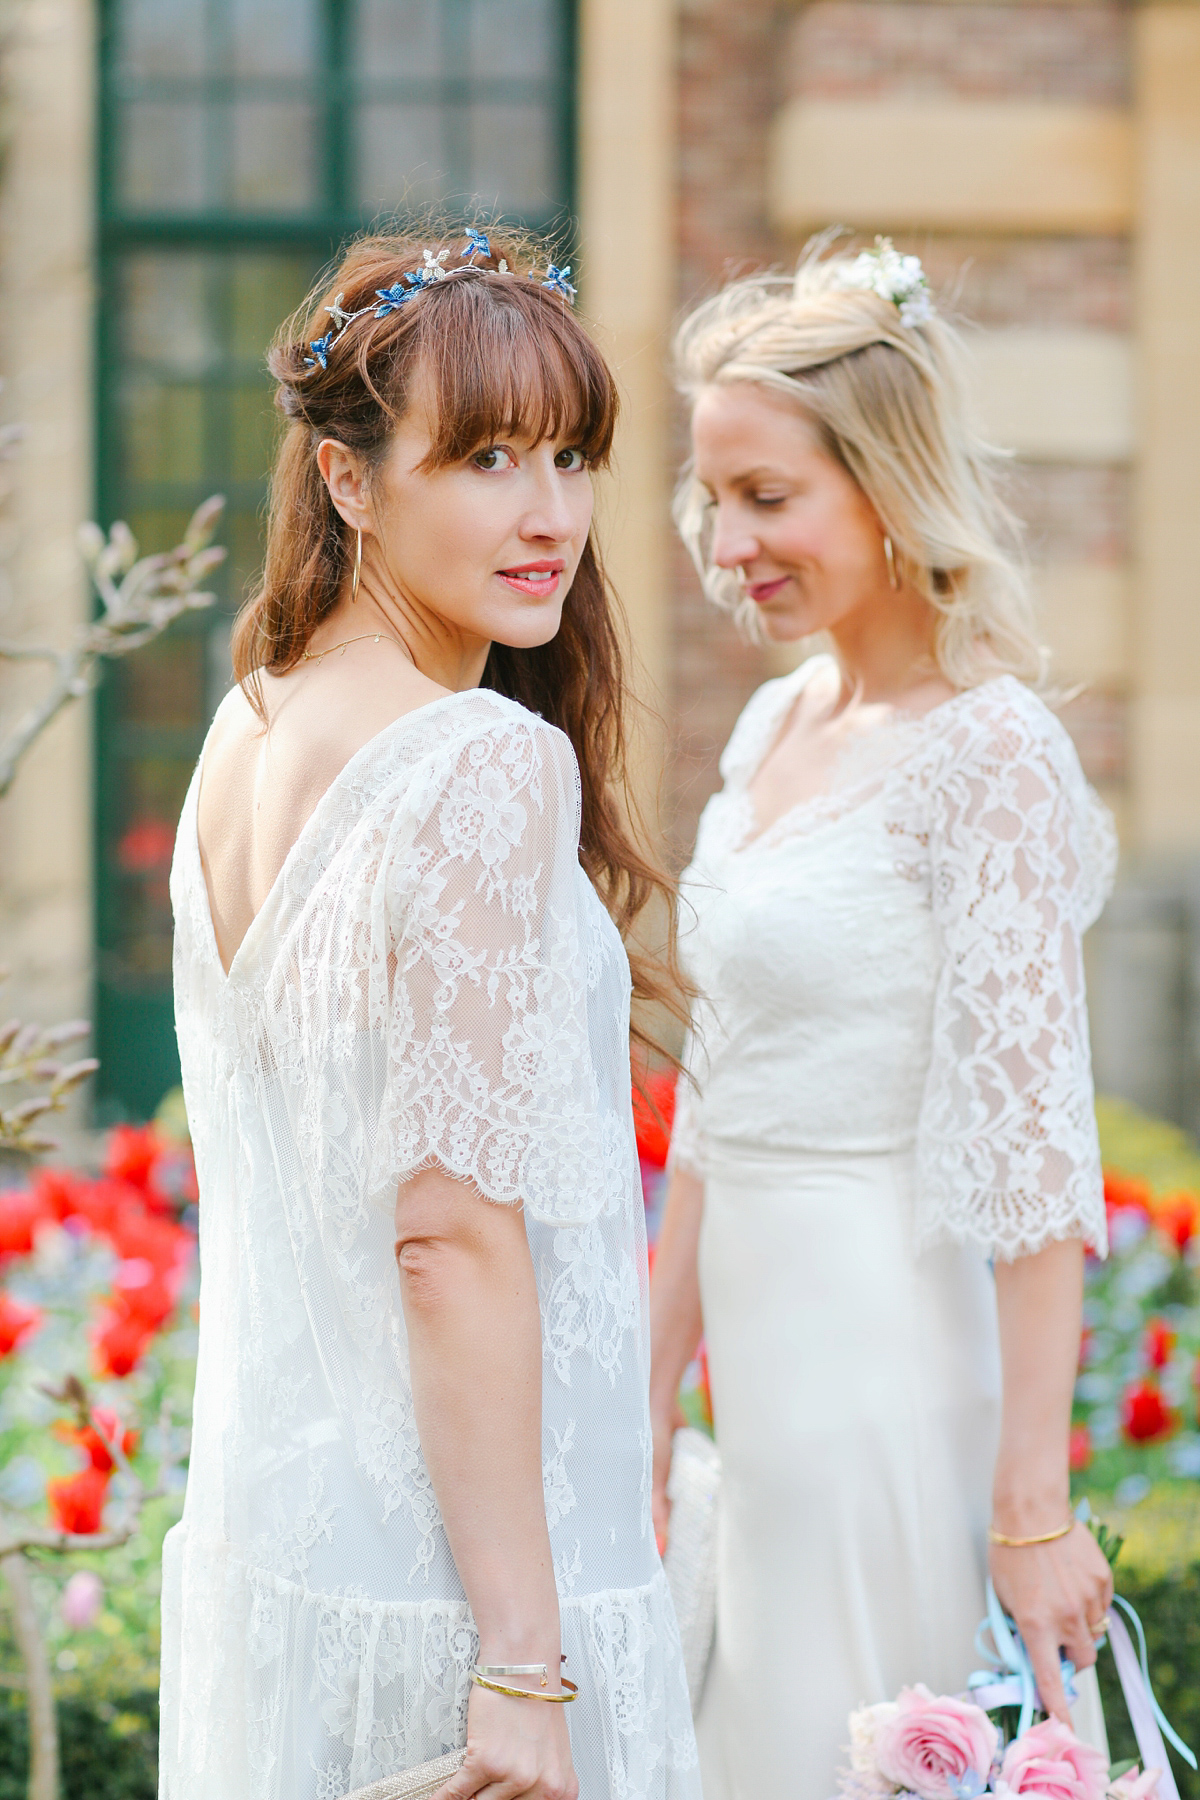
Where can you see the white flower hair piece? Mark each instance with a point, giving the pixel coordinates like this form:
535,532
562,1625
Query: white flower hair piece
900,279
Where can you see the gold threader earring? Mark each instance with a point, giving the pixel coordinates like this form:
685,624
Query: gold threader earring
358,567
889,553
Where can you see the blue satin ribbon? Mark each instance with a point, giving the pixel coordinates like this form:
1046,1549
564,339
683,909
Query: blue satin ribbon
1010,1682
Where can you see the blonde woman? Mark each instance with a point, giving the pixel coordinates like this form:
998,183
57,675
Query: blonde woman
892,1087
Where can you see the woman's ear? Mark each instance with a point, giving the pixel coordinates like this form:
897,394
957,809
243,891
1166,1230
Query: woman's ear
342,474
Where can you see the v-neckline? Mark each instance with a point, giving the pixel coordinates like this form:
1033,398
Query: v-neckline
816,803
269,901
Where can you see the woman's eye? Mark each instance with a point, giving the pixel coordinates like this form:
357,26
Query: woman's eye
570,460
769,499
493,458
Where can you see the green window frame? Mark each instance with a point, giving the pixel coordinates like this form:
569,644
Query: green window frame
240,142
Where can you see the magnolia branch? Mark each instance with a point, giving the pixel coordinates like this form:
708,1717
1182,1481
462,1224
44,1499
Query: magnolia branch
139,596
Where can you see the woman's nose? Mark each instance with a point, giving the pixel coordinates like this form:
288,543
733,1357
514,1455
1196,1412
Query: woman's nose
732,544
549,515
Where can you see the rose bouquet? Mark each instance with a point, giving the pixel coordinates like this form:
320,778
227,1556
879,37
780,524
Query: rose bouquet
924,1746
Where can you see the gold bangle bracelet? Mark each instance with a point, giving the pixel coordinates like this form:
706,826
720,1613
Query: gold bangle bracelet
1044,1537
497,1687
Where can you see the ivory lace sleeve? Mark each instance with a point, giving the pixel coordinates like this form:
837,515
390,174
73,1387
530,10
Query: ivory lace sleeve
687,1149
1021,855
493,939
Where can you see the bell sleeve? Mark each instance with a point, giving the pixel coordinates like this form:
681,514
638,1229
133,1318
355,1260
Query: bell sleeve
1021,855
491,933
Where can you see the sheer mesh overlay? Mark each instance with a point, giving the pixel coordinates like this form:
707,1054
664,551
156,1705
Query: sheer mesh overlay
898,963
431,979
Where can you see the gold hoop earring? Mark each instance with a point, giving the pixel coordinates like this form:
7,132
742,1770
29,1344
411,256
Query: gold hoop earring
357,567
889,553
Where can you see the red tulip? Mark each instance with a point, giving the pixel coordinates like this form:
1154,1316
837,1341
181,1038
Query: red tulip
1145,1415
119,1342
1159,1342
77,1501
21,1212
57,1193
1126,1191
134,1152
1080,1453
95,1438
653,1116
1178,1218
17,1322
1085,1346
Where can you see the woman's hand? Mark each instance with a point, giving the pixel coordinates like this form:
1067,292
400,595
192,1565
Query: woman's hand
663,1427
516,1750
1058,1594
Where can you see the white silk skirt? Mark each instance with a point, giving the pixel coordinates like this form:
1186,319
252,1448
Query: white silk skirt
856,1393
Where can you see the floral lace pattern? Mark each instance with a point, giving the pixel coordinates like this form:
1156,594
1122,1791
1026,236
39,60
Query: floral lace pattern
898,963
432,979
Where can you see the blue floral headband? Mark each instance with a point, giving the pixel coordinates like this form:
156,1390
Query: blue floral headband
391,299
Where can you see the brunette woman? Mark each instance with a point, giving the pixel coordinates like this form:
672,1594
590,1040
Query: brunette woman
421,1471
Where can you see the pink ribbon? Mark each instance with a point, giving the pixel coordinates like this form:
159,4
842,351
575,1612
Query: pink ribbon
1141,1712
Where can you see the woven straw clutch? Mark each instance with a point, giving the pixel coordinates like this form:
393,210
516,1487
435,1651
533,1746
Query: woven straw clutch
413,1784
694,1490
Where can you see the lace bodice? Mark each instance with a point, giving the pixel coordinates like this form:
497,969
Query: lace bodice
431,977
898,964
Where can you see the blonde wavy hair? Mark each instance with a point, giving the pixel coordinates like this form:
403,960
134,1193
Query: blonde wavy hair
889,402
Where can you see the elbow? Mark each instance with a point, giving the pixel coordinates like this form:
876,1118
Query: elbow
425,1266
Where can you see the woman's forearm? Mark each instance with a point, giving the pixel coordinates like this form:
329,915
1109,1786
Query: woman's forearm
1039,1300
475,1347
676,1319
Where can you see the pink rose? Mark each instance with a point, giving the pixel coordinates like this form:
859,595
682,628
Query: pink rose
1051,1763
929,1744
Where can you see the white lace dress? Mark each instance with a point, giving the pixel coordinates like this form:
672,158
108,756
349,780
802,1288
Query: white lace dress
893,1086
431,977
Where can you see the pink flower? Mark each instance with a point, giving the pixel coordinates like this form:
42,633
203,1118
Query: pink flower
1135,1786
1051,1763
930,1743
82,1599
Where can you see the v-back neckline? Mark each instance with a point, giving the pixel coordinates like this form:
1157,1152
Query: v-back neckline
269,903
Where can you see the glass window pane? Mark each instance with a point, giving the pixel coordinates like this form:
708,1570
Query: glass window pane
513,38
161,37
398,38
273,144
162,160
274,37
153,789
512,158
164,431
166,316
263,291
163,684
401,155
254,423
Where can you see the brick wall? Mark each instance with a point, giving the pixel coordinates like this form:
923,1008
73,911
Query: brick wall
738,60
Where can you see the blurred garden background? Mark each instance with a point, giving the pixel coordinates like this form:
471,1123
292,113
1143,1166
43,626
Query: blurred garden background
174,173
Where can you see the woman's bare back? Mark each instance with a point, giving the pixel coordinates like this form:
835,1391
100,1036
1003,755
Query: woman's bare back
259,786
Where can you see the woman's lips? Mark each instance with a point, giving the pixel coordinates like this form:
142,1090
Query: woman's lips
539,581
766,590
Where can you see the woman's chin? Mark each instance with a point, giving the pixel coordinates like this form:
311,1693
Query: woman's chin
527,627
784,627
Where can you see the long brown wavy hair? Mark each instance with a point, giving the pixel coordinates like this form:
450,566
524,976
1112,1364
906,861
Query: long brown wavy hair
495,354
